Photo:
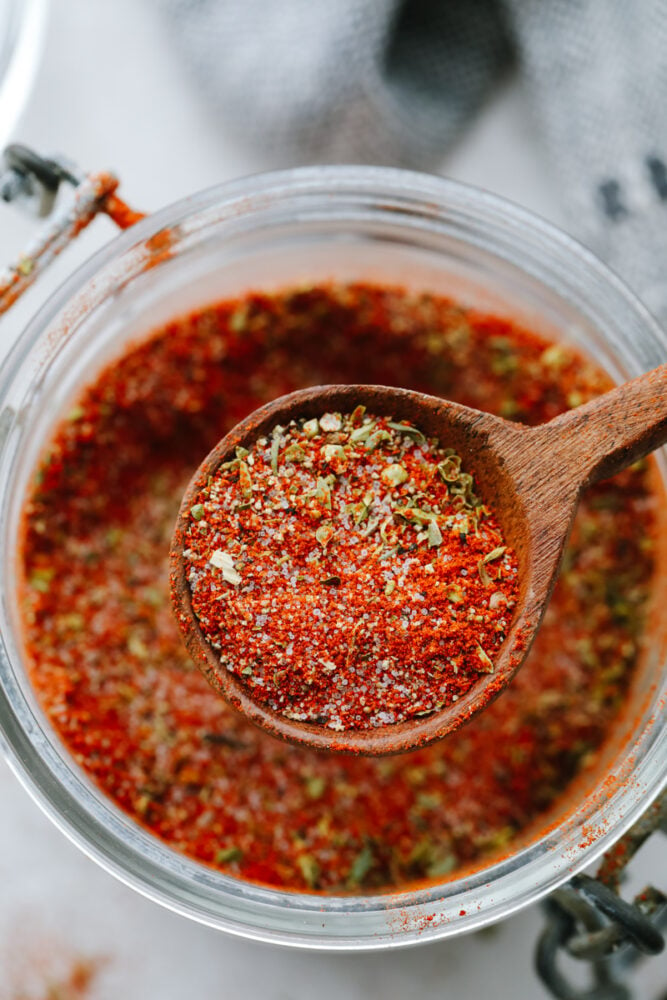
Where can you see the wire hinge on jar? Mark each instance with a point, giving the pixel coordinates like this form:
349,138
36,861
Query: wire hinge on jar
32,182
587,919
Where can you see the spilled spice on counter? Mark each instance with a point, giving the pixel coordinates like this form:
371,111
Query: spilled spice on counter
105,655
345,569
37,964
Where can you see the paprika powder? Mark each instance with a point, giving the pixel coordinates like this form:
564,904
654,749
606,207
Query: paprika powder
105,655
346,570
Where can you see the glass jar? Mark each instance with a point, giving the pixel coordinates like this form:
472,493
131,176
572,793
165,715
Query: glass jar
309,225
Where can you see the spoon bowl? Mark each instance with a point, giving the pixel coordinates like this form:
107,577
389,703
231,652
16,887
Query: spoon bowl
531,478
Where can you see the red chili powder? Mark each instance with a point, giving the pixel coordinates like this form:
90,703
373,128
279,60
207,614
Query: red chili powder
344,568
111,673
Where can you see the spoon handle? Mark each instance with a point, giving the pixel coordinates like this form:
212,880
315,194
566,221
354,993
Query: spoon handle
614,430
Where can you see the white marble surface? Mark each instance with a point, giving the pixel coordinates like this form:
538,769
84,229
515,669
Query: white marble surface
109,95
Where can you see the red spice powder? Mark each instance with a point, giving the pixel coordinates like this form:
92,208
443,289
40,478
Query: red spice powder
121,213
112,675
345,569
36,965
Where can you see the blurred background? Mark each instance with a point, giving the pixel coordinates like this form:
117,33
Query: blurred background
176,95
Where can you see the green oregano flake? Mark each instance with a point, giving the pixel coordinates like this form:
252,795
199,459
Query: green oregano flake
433,534
309,868
408,430
228,855
275,448
361,866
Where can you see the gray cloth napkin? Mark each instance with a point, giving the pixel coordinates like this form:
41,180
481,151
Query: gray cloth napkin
396,81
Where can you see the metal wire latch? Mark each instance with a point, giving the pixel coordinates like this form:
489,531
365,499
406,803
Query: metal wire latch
32,182
588,920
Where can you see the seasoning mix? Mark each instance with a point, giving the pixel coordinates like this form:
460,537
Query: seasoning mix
346,570
107,662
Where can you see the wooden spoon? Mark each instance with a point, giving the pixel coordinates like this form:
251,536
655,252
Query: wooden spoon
531,477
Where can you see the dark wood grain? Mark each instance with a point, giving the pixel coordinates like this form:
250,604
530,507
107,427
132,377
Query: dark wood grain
531,477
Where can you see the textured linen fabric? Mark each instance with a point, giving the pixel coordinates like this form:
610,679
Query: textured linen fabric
396,81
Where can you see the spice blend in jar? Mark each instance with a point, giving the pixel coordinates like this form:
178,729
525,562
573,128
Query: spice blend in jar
345,569
105,654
